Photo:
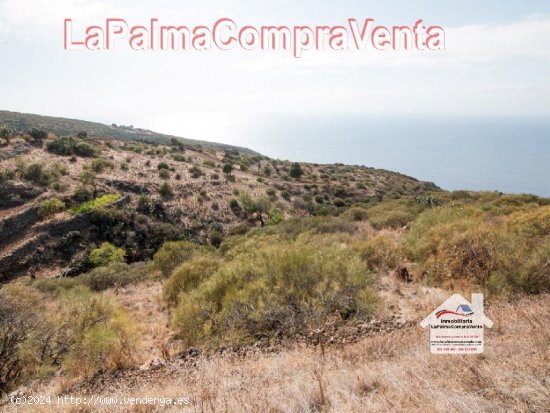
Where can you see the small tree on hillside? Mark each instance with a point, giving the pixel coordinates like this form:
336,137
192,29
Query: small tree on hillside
256,207
228,169
38,135
296,170
6,134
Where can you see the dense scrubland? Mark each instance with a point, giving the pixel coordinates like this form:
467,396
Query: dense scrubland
293,254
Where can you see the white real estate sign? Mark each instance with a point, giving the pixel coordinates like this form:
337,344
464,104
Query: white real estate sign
456,326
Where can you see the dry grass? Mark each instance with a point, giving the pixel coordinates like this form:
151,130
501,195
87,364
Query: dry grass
391,372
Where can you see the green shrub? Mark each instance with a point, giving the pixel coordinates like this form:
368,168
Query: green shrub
179,158
227,169
165,190
463,245
356,214
296,170
100,165
96,203
275,290
275,216
188,276
38,135
394,214
83,332
115,274
20,320
338,202
272,192
106,254
380,252
163,166
67,146
164,174
6,174
174,253
100,335
35,173
50,207
196,172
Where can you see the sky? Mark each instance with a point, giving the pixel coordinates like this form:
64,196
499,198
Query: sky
495,65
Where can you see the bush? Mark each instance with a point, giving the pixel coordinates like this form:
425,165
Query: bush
394,214
272,192
174,253
227,169
188,276
38,135
84,332
106,254
99,334
19,321
296,170
96,204
196,172
165,190
164,174
67,146
275,216
216,237
36,174
339,202
275,290
99,165
381,253
355,214
163,166
464,245
116,274
50,207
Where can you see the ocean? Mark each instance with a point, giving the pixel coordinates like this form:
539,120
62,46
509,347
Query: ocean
507,155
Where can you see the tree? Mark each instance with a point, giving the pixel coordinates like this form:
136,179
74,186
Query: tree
255,207
296,170
82,135
6,134
38,135
228,169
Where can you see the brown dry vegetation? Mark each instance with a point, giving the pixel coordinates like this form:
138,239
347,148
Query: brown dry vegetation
387,372
307,299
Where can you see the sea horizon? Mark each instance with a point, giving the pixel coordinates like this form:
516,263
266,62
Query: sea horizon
490,154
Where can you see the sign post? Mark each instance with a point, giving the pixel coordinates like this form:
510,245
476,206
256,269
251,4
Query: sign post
456,326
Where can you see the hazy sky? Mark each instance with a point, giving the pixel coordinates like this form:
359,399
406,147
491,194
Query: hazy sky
496,64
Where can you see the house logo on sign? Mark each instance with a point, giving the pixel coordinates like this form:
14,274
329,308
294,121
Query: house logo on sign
456,326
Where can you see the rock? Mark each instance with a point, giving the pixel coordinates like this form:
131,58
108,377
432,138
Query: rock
191,352
403,274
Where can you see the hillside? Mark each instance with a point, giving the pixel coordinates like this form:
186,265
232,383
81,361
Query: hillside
242,283
21,122
161,192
